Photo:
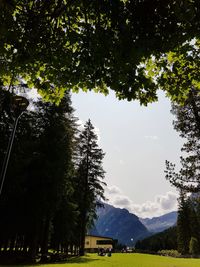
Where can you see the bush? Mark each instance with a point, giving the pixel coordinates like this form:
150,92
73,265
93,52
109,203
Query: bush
169,253
194,246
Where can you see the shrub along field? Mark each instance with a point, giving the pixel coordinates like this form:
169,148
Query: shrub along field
124,260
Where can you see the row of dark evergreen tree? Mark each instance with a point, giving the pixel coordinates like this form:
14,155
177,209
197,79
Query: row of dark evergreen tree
165,240
53,182
185,236
188,224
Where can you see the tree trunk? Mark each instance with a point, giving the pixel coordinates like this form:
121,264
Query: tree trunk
33,247
44,246
66,248
82,234
25,244
5,245
12,244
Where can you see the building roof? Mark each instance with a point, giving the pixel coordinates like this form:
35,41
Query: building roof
100,236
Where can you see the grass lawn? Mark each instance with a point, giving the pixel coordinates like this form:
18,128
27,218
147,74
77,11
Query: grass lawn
124,260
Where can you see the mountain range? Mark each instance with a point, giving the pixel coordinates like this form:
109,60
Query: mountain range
126,227
161,223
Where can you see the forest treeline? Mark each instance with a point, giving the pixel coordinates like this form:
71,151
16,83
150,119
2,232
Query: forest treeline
184,236
53,182
165,240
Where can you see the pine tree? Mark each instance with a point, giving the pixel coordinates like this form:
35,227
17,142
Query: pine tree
183,225
40,178
89,180
51,171
187,123
193,219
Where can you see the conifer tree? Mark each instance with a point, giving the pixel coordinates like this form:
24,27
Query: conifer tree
187,179
51,171
183,225
193,219
38,178
89,180
187,123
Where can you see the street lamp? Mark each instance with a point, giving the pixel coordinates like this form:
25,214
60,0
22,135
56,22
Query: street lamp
18,105
132,240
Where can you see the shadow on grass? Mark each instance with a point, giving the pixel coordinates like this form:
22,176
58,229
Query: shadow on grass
79,260
71,260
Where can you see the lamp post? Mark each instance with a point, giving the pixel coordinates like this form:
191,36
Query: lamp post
132,242
18,105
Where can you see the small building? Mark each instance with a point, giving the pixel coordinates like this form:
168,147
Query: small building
94,243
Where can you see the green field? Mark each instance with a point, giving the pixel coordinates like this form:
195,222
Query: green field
125,260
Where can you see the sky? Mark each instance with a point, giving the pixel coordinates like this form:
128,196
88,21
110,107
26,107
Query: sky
137,140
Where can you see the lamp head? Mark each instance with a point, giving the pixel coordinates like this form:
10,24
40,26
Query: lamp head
19,104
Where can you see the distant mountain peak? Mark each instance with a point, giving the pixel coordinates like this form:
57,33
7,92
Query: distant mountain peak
126,227
119,224
160,223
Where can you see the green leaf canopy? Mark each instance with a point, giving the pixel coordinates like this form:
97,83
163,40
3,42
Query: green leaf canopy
59,45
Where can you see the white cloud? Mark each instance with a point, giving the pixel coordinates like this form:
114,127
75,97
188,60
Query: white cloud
113,190
160,205
116,148
152,137
121,162
122,201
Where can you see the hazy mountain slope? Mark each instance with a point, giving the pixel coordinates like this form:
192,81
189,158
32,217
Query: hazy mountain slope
159,224
119,224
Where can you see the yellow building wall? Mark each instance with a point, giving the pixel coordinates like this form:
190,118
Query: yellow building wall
91,242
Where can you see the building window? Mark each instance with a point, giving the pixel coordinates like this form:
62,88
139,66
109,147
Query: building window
104,242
